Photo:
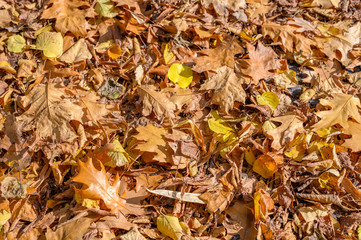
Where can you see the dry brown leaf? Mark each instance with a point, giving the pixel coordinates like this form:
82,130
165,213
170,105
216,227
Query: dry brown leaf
98,186
354,129
157,102
222,55
342,43
284,134
221,5
227,88
69,16
288,36
152,143
73,230
261,61
50,113
78,52
343,106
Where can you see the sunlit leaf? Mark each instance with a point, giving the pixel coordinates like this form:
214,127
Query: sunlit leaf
178,73
16,44
268,98
170,226
51,43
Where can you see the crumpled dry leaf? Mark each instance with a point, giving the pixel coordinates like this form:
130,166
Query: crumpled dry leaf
98,186
50,113
227,88
221,5
157,102
133,234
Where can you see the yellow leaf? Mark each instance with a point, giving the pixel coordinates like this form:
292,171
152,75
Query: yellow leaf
268,98
180,74
51,43
16,44
114,51
86,202
170,226
167,54
119,157
4,217
307,95
265,166
4,65
286,78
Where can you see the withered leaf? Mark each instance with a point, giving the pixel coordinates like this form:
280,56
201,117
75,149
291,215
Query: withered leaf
50,112
227,88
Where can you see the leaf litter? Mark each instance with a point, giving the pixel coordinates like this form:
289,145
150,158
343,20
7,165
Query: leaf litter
159,119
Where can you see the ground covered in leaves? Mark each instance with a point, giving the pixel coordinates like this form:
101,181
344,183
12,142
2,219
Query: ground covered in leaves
197,119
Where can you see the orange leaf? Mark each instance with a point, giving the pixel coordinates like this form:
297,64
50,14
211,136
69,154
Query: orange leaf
114,51
265,166
98,186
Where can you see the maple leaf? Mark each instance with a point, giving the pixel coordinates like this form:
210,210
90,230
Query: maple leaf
257,8
68,15
98,186
152,142
50,113
288,36
217,57
343,106
227,88
157,102
260,61
285,133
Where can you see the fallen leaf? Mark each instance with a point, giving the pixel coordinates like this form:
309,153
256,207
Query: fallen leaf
178,73
157,102
98,186
4,217
186,197
167,54
4,65
50,113
261,61
268,98
227,88
342,106
151,140
16,44
170,226
73,230
133,234
114,51
221,5
78,52
265,166
105,8
285,133
69,16
51,43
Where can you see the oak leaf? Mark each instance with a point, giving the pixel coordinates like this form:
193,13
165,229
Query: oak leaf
286,132
152,143
342,106
98,186
227,88
354,129
50,113
69,16
157,102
